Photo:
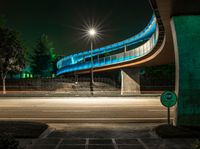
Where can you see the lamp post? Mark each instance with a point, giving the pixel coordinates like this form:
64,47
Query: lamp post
92,32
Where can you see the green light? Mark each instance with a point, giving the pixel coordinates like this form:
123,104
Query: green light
23,75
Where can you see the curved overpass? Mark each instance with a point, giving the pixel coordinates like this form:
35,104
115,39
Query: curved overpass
140,37
150,40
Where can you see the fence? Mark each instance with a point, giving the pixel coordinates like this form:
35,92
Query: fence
53,84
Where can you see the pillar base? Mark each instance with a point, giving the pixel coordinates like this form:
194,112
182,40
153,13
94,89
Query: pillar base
130,81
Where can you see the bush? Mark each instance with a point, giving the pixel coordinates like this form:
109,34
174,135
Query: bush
7,141
198,144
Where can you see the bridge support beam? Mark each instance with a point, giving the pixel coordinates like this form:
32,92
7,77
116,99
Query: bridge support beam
130,81
186,35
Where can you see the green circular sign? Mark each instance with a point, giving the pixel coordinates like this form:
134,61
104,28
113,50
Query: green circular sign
168,99
142,71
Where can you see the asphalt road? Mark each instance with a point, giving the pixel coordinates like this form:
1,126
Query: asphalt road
84,109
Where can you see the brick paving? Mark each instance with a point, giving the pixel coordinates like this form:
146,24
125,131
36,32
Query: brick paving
112,143
113,138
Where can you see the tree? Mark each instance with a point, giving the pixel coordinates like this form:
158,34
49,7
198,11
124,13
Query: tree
12,53
2,21
42,58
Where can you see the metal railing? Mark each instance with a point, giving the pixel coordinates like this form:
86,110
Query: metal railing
142,36
135,53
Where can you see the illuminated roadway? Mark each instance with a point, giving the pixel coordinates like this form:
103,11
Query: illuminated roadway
83,109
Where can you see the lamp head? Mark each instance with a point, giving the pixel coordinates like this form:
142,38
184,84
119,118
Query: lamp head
92,32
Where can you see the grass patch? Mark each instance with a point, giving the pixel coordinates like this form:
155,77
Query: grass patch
20,129
169,131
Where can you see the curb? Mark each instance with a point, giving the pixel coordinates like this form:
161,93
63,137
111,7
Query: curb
73,95
90,120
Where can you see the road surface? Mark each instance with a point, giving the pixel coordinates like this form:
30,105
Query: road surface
83,109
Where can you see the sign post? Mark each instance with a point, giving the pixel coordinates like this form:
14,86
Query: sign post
168,99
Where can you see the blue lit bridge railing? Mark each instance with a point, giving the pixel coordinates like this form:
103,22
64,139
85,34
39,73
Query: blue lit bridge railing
133,54
140,37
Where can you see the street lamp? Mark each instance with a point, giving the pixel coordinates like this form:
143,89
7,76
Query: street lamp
92,33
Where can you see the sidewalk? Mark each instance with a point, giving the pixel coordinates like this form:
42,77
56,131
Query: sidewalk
108,136
73,94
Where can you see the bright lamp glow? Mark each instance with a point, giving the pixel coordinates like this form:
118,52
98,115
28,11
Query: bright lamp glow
92,32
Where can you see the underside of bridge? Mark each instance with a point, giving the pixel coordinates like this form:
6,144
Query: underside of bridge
181,19
179,37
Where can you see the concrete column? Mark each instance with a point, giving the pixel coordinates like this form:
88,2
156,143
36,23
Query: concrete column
186,38
130,81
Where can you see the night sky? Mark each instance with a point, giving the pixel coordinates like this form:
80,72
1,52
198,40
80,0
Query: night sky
63,20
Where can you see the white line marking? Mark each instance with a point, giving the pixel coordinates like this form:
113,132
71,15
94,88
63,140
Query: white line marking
142,143
114,143
87,143
71,111
59,143
159,110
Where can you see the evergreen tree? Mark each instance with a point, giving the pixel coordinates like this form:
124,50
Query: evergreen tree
42,58
2,21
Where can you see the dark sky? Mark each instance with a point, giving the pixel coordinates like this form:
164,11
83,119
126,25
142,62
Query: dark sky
63,20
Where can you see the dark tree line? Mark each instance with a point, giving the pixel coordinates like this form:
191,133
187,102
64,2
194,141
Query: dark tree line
14,57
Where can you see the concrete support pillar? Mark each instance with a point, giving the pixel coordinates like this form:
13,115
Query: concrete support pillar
186,37
130,81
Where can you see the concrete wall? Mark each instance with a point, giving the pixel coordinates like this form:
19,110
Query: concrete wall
186,35
130,81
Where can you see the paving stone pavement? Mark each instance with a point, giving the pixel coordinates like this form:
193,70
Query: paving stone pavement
110,139
112,143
